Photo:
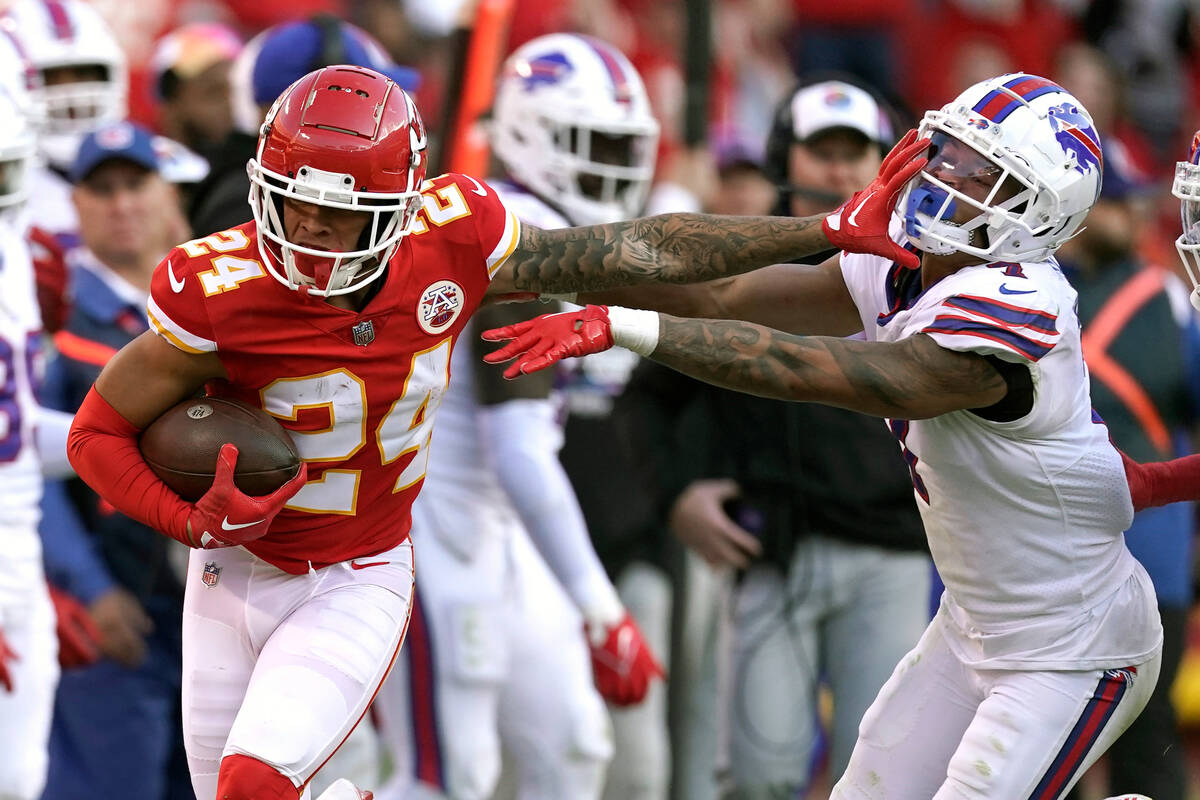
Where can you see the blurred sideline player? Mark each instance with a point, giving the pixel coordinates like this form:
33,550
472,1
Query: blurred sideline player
191,82
80,81
1047,643
83,81
28,654
116,724
336,310
495,488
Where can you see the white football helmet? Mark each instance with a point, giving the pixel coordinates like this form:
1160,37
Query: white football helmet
18,145
572,124
1032,154
1187,188
71,33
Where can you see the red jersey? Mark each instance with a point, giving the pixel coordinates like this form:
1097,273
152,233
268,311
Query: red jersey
358,391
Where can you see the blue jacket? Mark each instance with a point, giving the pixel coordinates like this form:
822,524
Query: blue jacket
88,546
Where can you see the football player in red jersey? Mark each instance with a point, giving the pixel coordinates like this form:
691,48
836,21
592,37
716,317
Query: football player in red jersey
297,602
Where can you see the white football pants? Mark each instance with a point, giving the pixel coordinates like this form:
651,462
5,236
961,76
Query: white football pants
282,667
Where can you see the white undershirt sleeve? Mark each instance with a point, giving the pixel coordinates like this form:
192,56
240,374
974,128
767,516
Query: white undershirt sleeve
51,430
522,439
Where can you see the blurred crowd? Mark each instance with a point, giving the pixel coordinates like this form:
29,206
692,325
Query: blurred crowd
779,593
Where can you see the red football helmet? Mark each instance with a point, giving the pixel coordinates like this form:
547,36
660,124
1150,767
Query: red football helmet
342,137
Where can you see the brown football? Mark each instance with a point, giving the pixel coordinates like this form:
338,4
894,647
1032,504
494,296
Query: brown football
182,445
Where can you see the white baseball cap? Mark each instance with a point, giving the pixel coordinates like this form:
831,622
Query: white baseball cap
835,104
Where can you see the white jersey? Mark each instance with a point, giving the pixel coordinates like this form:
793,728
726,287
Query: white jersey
456,457
20,369
49,206
1024,518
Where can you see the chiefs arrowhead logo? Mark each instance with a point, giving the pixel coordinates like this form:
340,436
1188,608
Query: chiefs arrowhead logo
439,306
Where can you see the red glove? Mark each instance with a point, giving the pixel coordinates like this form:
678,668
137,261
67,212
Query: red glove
225,517
7,655
51,275
624,666
78,637
860,225
1162,482
539,342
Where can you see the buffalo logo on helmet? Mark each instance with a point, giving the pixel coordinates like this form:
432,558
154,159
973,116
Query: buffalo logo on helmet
440,305
979,123
1194,150
211,574
1074,132
549,68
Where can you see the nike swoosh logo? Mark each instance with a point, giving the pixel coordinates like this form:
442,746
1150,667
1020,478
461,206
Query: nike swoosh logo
229,526
356,565
1005,290
176,285
479,190
854,214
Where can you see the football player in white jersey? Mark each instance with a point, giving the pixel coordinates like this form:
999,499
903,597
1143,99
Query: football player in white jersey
28,648
1047,643
82,84
497,654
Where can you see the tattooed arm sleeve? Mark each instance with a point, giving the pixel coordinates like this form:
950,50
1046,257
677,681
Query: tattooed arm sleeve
670,248
910,379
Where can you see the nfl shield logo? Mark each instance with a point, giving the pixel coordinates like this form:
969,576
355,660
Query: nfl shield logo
212,574
364,333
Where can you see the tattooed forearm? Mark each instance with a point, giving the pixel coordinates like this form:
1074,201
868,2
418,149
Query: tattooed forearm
671,248
911,379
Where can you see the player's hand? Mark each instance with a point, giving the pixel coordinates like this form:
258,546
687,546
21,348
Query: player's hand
51,276
860,225
537,343
225,516
7,657
79,639
123,625
622,664
698,519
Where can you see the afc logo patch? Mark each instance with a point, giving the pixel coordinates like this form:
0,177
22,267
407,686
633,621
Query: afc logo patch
439,306
211,574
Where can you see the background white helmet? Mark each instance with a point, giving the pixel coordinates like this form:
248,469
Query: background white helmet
572,124
18,145
71,33
1038,143
1187,188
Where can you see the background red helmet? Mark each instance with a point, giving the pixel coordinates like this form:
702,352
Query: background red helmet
343,137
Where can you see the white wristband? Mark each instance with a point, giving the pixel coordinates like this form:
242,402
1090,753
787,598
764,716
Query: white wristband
634,329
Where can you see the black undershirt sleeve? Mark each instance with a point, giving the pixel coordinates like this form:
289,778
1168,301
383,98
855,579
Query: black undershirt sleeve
1018,400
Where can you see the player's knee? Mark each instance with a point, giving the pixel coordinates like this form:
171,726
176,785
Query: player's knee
246,778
